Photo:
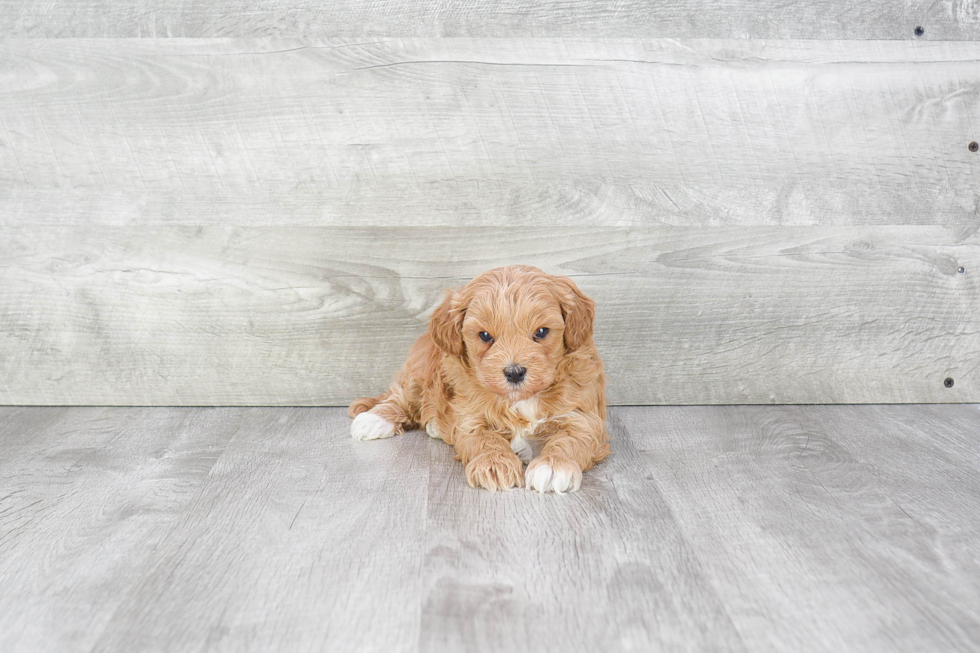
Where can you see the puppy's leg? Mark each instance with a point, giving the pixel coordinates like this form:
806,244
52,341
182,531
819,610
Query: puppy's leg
365,404
437,414
579,443
399,409
387,417
488,460
387,414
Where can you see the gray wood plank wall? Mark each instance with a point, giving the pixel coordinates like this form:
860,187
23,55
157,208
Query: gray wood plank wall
269,220
763,19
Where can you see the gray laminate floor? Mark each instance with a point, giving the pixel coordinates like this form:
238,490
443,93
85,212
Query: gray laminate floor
709,528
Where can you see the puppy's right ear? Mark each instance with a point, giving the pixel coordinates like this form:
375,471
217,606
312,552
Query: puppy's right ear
446,325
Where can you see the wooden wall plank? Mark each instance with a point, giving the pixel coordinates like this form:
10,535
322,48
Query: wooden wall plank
185,315
232,221
490,132
827,19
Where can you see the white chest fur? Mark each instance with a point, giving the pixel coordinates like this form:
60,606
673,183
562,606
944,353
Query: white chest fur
527,408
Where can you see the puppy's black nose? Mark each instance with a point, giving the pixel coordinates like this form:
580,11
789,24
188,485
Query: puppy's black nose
515,373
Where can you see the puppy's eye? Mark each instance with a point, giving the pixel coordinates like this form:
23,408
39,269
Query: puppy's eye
486,337
541,333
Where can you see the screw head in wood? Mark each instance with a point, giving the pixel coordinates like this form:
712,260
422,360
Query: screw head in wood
973,146
919,31
948,382
961,270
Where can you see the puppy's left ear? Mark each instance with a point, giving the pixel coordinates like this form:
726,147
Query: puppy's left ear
578,311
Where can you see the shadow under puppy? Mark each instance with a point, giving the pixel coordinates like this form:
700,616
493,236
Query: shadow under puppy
508,367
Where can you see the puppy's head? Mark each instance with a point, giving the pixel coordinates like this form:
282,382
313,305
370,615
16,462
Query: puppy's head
511,326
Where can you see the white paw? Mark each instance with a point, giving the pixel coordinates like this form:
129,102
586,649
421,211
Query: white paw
543,477
431,430
522,448
368,426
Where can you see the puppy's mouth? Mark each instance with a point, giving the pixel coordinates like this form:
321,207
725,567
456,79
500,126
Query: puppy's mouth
518,391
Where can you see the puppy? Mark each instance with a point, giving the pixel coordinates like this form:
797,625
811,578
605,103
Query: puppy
507,367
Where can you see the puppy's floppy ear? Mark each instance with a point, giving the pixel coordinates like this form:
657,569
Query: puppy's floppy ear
578,311
446,325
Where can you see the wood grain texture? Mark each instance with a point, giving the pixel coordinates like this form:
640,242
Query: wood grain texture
180,315
604,569
500,132
292,524
818,528
114,530
89,495
235,221
827,19
794,510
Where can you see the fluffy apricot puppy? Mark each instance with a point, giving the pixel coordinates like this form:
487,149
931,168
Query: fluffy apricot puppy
507,371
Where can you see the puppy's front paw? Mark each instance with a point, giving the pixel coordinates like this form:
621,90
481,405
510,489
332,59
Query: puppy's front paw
553,474
368,426
496,470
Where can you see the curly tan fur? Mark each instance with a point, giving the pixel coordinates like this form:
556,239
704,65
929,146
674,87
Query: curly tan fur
453,383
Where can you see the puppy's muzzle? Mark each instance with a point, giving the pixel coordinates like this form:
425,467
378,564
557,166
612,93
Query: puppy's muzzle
515,373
